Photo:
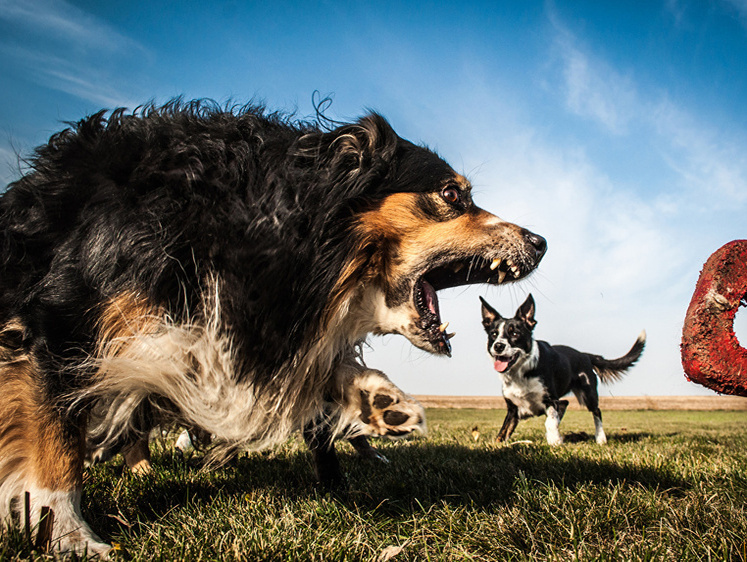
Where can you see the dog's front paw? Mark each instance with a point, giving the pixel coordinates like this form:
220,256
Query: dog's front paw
383,408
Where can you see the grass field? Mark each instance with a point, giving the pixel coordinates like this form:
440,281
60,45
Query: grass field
670,485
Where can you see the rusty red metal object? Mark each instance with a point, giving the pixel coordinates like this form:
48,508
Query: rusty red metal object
711,354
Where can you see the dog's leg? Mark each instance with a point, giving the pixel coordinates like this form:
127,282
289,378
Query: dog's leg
598,429
552,430
367,451
42,453
137,456
562,406
510,421
319,438
589,397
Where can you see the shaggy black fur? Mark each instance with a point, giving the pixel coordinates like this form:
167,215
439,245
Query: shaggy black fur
158,199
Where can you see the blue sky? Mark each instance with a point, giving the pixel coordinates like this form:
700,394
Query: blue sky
617,131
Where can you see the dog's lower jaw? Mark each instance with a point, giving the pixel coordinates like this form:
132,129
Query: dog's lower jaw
403,319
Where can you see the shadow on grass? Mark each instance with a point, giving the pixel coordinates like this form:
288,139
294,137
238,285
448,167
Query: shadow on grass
583,437
633,437
419,476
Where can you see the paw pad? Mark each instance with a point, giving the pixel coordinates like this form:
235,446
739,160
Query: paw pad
385,409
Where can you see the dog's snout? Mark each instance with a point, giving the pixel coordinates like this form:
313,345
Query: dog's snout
537,241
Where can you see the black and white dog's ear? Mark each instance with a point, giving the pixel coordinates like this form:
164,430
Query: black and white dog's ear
526,312
489,314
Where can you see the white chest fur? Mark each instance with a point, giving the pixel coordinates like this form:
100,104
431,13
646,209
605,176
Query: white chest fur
526,393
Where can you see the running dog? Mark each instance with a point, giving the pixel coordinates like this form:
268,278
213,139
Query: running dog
220,267
536,375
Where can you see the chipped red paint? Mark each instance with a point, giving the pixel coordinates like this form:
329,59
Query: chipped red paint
711,354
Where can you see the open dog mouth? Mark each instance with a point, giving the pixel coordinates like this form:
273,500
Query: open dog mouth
503,363
456,273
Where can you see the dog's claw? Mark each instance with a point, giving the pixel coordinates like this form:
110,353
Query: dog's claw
445,344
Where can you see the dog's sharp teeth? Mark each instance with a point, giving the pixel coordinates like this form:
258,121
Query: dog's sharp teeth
495,264
501,276
449,336
457,267
511,266
442,327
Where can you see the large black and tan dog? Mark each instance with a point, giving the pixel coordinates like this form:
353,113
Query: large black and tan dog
219,268
536,375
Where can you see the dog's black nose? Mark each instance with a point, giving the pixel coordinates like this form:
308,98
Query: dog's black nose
539,243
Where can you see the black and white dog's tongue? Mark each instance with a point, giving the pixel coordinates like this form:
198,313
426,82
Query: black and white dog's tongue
500,365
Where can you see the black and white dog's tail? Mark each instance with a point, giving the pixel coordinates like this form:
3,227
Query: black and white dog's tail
612,370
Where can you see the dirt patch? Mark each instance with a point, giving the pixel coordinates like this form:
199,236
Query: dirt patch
605,402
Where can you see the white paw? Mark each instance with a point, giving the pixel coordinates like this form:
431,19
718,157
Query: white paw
383,409
554,440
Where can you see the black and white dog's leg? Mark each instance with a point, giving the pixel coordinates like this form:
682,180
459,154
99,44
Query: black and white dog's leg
552,423
599,434
589,397
510,421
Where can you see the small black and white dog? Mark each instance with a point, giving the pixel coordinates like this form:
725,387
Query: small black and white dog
536,375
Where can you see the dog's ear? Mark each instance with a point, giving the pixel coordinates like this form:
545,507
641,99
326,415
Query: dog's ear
352,148
526,312
360,146
489,314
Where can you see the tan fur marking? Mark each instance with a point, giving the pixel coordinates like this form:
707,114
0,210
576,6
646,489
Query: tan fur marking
17,404
31,434
137,457
126,316
403,236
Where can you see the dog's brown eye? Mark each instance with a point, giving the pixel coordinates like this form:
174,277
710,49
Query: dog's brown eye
451,194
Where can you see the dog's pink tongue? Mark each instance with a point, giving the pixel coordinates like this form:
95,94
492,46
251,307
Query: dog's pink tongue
500,365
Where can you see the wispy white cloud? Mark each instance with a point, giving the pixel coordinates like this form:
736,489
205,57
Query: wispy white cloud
62,47
707,161
594,90
711,163
57,19
740,6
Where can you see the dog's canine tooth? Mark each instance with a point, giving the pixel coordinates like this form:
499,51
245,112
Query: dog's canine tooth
495,264
442,327
450,335
501,276
458,267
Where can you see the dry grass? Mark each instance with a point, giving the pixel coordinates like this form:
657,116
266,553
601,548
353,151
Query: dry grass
709,403
670,485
